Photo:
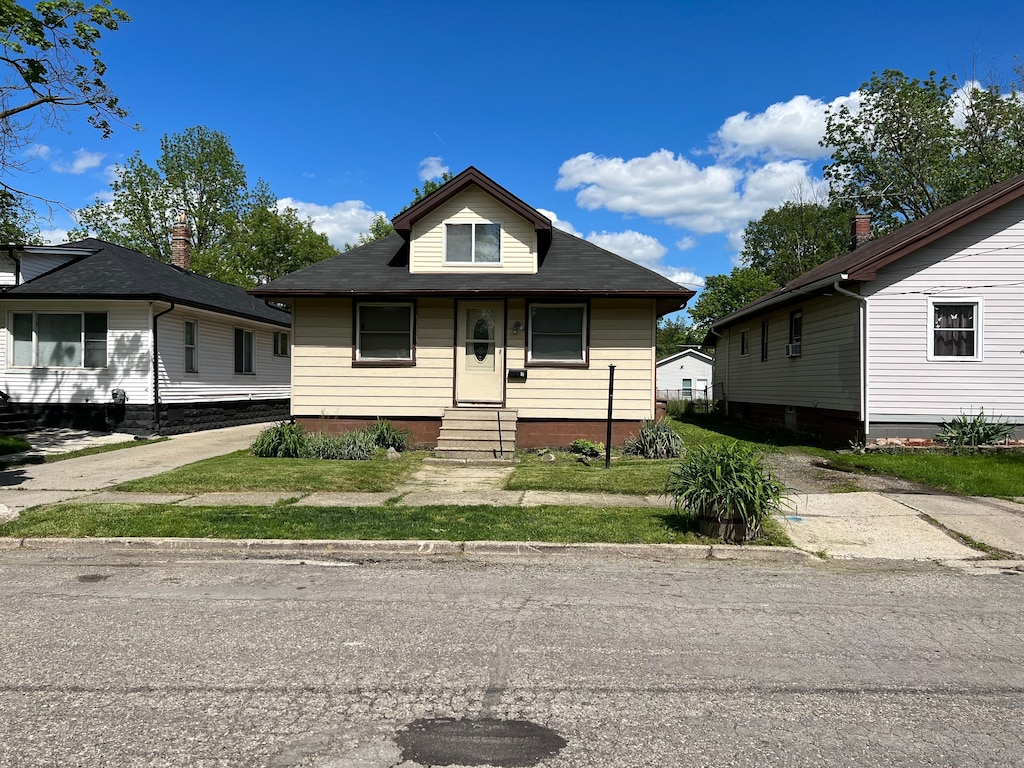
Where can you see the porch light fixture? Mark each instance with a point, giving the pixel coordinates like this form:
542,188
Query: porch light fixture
517,327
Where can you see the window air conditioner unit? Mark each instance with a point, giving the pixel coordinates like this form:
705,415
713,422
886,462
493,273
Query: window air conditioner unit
793,350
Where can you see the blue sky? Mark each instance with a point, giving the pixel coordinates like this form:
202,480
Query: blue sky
656,129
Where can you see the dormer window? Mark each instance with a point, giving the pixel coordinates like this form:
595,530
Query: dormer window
476,243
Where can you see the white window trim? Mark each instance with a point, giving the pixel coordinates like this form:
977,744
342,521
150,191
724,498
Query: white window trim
185,345
979,322
744,331
254,351
288,343
357,340
585,337
473,262
35,341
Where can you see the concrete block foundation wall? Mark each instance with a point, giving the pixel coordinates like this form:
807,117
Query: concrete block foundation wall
139,419
823,425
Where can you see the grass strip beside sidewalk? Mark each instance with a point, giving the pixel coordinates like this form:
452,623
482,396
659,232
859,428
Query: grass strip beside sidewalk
986,474
614,525
241,471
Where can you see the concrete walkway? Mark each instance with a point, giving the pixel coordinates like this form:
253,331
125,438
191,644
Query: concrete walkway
885,525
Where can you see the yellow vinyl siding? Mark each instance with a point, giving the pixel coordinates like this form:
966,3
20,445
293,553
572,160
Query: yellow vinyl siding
325,382
518,239
621,334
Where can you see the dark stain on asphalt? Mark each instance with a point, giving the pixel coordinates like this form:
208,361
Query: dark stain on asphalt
93,578
446,741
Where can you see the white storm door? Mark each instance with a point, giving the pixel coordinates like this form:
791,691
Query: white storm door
480,357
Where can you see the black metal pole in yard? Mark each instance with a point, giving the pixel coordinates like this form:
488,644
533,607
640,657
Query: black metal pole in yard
608,435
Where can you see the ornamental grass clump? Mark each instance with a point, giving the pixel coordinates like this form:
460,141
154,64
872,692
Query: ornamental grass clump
586,447
968,432
723,483
385,435
284,440
655,440
348,446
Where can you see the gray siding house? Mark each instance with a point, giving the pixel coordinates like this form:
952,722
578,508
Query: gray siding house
892,338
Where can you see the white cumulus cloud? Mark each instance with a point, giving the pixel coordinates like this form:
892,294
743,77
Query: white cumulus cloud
632,245
342,222
684,277
84,161
785,129
686,243
558,223
432,168
54,236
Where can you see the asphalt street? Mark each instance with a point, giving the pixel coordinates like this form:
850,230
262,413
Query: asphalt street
115,658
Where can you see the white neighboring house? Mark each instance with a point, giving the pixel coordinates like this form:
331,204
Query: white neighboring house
685,375
893,338
103,337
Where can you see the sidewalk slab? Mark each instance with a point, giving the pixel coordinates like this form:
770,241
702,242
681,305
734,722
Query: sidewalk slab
868,525
349,499
461,497
994,522
19,501
115,497
238,499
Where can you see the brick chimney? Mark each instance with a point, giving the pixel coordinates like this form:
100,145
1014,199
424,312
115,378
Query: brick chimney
860,231
181,243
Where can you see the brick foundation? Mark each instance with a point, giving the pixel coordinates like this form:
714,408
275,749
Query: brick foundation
424,431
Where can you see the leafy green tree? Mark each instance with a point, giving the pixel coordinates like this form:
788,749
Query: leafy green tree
723,294
915,146
17,224
51,66
673,333
238,235
380,228
795,237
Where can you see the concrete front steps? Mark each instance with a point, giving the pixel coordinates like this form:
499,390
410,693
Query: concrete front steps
477,434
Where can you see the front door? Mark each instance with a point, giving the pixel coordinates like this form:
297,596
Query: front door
480,359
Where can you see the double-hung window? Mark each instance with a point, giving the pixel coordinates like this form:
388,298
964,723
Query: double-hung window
191,346
745,342
384,333
955,329
245,351
796,334
59,339
558,334
280,343
474,243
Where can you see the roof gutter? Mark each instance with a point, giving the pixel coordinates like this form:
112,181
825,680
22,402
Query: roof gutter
753,309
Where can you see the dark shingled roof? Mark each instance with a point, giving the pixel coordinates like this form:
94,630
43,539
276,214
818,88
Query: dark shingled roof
862,264
571,268
113,272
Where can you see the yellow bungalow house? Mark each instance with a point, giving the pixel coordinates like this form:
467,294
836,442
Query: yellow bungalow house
477,326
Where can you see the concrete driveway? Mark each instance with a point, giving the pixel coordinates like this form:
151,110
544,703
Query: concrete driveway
31,484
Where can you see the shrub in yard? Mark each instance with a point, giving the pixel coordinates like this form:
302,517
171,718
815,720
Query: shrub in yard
971,431
586,448
655,440
284,440
700,407
386,436
348,446
726,484
676,409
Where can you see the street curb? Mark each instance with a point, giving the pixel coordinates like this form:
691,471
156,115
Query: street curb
370,548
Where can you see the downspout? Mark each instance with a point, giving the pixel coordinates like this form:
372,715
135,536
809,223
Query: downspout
156,367
17,265
863,312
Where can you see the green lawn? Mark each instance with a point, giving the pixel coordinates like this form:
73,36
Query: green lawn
553,524
241,471
629,475
987,474
13,444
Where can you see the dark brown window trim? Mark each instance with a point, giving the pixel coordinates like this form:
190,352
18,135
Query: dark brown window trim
357,363
585,363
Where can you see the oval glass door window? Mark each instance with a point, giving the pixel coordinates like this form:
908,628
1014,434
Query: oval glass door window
481,332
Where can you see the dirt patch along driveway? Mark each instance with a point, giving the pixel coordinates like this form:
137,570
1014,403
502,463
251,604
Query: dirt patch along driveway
803,473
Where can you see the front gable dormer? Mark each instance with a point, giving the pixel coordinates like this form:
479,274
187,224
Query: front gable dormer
470,225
